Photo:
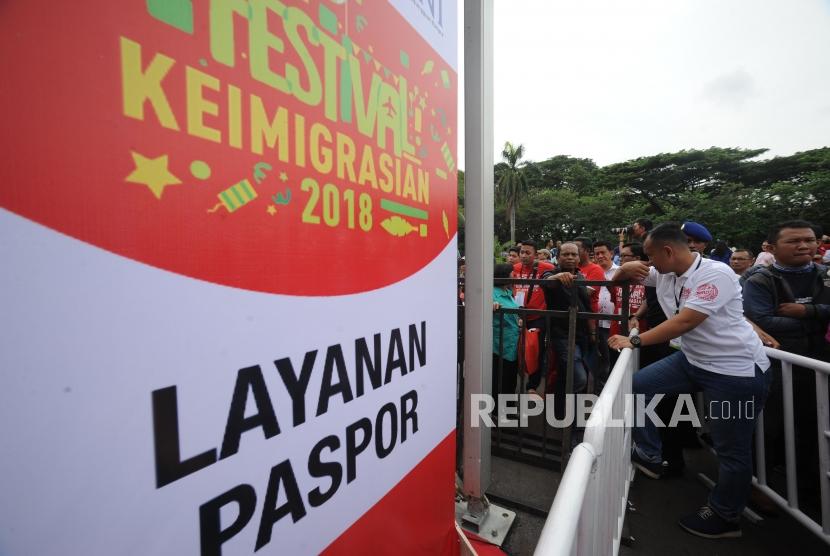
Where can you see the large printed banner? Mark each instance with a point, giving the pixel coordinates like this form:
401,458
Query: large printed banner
227,250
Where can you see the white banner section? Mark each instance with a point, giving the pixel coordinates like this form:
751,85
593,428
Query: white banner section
144,412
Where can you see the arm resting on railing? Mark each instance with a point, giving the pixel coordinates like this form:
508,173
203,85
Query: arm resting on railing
676,326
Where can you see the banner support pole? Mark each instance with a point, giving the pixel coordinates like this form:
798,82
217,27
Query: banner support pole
478,204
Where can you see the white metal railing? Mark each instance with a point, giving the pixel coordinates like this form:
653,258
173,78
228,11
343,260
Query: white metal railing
582,521
790,503
587,514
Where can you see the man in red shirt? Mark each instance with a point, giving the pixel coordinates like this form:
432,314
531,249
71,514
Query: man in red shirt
532,297
591,271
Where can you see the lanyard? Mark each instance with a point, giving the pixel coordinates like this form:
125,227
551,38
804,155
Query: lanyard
674,286
535,267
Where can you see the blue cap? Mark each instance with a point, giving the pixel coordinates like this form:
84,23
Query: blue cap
696,231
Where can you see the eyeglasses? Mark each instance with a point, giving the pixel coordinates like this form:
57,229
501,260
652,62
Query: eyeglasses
740,259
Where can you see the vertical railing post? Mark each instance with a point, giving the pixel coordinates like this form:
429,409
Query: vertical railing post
569,376
760,450
823,422
789,433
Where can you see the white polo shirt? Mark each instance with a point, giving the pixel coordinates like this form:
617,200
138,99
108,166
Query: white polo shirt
724,343
606,305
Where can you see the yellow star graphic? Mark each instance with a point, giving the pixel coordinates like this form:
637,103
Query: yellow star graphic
283,176
423,103
153,173
272,210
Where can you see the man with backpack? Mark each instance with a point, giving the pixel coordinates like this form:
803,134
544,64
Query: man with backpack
790,300
531,296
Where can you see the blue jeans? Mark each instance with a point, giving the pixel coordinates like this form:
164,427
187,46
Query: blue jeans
560,347
731,424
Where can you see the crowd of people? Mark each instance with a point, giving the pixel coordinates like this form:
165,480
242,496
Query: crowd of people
702,318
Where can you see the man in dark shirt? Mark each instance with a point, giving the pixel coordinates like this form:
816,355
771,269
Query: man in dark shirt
558,295
790,300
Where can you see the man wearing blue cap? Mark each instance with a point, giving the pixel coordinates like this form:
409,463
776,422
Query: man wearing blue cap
697,235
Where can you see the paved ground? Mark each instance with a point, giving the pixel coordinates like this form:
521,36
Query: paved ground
531,487
660,503
653,525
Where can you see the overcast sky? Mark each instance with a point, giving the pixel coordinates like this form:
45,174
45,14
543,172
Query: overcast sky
612,80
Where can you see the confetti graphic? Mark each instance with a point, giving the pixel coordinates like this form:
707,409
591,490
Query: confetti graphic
153,173
235,196
360,23
405,210
259,171
397,226
282,198
176,13
448,158
200,169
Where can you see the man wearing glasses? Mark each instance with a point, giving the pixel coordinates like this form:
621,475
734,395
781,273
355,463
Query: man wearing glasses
741,260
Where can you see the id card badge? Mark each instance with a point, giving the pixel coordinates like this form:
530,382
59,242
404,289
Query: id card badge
520,299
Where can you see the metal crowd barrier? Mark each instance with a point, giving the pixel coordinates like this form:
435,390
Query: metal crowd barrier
539,444
581,519
535,441
790,504
587,515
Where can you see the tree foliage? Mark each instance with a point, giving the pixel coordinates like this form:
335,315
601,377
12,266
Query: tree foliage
512,181
731,191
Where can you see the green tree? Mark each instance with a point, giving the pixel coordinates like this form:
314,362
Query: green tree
668,180
565,172
511,182
733,193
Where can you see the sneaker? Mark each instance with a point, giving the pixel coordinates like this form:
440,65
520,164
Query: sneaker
706,523
649,469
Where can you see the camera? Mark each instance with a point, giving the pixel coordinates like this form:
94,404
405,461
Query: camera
625,229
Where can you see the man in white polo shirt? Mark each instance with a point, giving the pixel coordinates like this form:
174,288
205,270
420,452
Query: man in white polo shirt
720,355
604,257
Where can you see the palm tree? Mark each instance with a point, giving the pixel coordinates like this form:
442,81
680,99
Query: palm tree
512,182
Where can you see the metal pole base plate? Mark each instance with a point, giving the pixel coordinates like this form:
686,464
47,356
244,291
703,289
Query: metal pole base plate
491,525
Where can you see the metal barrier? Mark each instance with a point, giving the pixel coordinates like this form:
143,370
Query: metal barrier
588,512
790,503
534,441
540,444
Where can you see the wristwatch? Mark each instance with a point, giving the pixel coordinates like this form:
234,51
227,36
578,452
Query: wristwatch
635,341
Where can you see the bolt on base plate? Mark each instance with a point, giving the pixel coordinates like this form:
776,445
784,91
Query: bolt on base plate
490,524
